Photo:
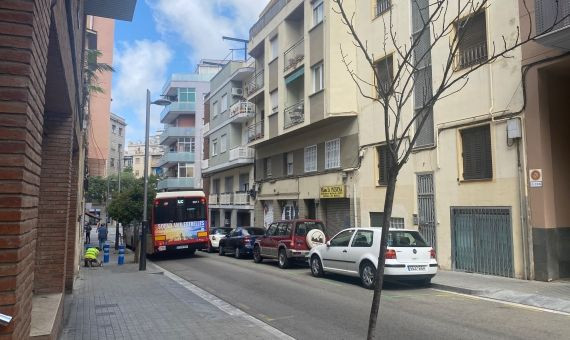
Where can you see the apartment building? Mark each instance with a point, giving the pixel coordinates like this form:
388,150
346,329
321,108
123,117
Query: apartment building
182,135
305,127
546,73
228,161
134,157
117,130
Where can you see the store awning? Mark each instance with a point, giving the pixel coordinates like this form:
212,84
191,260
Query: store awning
92,215
295,75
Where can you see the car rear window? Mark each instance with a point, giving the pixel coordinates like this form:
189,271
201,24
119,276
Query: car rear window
405,239
254,231
304,227
221,231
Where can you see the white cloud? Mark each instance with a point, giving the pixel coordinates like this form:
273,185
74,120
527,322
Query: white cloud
140,65
200,24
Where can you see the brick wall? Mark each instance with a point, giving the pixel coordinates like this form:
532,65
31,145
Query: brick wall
74,229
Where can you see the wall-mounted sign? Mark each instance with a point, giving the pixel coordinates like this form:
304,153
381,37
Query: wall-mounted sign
333,191
535,177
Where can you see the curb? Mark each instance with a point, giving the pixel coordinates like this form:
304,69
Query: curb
455,289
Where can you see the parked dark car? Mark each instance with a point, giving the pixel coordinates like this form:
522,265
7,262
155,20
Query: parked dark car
216,235
240,241
289,241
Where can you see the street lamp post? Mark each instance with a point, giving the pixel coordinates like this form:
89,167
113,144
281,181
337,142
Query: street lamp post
161,102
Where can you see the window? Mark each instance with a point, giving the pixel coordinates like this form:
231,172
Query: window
311,158
332,154
186,95
288,163
216,108
385,73
318,80
476,152
224,105
114,127
223,143
215,147
274,101
274,47
112,162
342,239
186,144
272,229
362,239
405,239
382,6
185,170
377,218
384,163
267,167
304,227
120,147
120,131
472,41
317,12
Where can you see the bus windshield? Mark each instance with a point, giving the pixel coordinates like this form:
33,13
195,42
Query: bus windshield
181,209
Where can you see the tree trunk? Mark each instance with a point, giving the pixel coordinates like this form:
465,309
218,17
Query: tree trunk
388,202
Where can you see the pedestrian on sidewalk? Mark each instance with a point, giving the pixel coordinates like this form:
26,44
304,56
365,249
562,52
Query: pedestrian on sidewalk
88,233
102,235
91,257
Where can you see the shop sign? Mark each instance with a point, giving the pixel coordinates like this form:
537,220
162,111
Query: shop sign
332,191
535,176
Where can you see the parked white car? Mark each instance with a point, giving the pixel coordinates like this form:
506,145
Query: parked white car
216,234
354,252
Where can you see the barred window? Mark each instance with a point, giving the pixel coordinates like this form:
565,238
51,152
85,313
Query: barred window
472,41
311,158
332,154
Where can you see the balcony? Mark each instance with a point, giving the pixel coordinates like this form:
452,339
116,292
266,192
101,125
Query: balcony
294,114
171,134
241,198
213,199
170,112
471,56
294,56
206,129
553,23
254,84
267,17
242,154
176,157
226,198
242,111
175,183
255,131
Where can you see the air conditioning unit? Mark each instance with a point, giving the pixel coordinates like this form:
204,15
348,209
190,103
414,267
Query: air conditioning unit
237,91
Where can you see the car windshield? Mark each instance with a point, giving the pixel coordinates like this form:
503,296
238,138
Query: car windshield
221,231
405,239
254,231
304,227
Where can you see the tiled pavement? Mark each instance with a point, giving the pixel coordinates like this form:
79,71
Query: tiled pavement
119,302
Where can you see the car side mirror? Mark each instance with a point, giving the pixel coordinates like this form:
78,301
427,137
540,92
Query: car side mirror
328,243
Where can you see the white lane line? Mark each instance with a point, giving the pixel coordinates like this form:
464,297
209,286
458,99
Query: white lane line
513,304
222,305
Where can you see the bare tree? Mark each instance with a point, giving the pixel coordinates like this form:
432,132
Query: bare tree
437,24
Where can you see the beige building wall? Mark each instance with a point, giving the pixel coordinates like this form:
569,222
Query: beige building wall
100,103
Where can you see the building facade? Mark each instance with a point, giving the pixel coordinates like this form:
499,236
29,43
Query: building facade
117,133
305,127
182,135
228,161
43,153
134,157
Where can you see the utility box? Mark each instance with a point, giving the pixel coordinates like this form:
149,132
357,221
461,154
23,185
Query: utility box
514,129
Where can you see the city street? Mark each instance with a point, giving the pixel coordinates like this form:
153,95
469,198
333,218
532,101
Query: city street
337,307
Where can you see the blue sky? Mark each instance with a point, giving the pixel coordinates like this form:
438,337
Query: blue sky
170,36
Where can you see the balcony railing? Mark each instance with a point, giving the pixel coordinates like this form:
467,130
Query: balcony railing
213,199
171,132
226,198
242,152
176,157
266,18
255,131
254,83
175,183
241,198
242,111
470,56
294,114
382,6
294,56
177,107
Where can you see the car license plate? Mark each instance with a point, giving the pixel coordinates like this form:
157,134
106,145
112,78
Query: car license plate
416,268
182,247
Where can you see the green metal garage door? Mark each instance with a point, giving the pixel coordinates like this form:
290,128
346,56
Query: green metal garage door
482,240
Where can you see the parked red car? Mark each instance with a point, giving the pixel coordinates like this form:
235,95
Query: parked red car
289,240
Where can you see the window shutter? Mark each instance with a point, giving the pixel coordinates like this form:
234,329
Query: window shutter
383,164
477,158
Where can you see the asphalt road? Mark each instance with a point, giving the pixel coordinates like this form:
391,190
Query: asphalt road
337,307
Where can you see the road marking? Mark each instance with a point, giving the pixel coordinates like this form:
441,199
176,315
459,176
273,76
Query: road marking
223,305
512,304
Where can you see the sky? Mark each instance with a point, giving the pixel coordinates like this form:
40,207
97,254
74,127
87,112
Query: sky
171,36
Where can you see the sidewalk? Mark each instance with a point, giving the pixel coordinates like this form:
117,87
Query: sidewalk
548,295
119,302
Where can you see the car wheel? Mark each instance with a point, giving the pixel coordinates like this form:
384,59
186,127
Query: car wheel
282,259
221,250
237,253
368,275
257,255
316,266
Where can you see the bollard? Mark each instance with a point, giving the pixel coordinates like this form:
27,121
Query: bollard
106,253
121,254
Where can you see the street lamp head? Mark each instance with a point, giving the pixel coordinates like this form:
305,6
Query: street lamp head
161,102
